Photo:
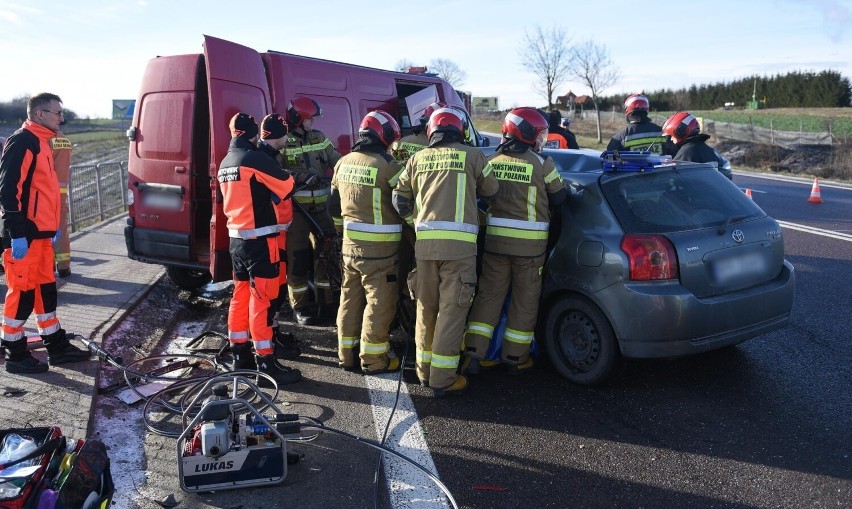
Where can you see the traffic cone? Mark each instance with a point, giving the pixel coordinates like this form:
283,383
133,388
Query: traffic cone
748,193
815,196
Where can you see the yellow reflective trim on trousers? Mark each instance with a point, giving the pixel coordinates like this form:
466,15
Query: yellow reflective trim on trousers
375,237
483,329
348,341
377,205
374,348
445,361
514,233
62,257
532,195
446,235
552,176
424,356
517,336
461,192
298,289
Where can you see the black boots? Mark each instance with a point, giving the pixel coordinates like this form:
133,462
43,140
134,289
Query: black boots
304,315
285,345
281,374
20,361
243,356
61,351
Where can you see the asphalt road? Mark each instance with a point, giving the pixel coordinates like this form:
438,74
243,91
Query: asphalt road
763,424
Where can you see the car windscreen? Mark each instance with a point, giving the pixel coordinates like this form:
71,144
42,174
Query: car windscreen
672,200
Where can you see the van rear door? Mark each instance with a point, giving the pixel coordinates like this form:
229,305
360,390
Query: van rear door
236,82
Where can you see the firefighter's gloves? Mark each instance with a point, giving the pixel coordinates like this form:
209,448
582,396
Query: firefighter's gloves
19,248
305,179
56,237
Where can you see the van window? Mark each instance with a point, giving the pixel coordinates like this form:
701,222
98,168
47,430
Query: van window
169,113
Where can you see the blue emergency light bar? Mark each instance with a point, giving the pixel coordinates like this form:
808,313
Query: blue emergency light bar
615,160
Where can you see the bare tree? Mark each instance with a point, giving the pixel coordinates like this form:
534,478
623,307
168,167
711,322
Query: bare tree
449,71
545,53
403,65
591,65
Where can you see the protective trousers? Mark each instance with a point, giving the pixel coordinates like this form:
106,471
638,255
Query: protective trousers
444,290
368,298
255,264
31,287
276,303
300,243
498,273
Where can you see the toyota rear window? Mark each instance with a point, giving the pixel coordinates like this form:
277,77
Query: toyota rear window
672,200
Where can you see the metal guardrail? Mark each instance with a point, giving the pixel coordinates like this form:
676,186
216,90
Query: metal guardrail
96,192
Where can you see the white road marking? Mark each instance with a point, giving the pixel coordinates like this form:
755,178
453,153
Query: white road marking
816,231
408,486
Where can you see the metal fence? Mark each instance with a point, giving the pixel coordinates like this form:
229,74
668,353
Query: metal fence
96,192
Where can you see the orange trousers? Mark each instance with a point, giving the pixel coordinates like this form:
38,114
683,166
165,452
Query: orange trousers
256,282
31,287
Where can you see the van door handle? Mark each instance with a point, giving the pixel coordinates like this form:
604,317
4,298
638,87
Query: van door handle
180,169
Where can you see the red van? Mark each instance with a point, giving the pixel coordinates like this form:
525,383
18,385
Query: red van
180,134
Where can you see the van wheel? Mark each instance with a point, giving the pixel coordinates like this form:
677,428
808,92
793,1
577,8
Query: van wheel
580,341
188,279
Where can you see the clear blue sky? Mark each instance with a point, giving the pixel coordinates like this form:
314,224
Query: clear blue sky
91,52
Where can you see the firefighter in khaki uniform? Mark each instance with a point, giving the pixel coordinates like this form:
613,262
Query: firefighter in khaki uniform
249,180
402,150
437,192
515,242
308,150
372,230
406,147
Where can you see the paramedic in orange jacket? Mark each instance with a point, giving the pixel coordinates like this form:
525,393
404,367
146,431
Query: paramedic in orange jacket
30,200
250,180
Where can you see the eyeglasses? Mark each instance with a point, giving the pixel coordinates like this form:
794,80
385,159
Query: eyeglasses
60,112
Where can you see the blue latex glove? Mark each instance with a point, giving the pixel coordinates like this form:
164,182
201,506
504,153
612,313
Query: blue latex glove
19,248
56,237
275,199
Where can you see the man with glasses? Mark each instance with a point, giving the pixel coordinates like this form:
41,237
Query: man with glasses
30,208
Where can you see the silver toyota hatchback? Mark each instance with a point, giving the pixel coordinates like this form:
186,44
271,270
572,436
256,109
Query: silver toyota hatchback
656,259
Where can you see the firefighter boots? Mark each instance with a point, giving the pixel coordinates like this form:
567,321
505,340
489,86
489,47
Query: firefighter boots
20,361
280,373
520,368
304,315
392,366
286,346
61,351
458,387
243,356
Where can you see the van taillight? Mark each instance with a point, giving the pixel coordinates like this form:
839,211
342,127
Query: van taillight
652,257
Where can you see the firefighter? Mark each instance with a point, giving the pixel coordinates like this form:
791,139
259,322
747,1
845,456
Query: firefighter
309,151
404,148
401,150
437,193
640,134
372,230
515,243
685,132
273,137
30,203
249,181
